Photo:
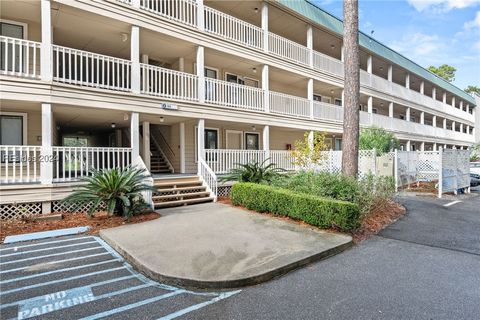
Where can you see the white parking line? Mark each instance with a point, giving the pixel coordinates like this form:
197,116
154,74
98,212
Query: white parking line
61,280
46,249
43,243
57,271
451,203
48,255
55,262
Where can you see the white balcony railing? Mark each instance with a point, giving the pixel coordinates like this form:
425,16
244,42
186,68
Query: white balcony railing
232,28
327,111
183,11
84,68
223,160
233,95
288,49
208,176
19,164
289,105
282,159
20,57
168,83
323,62
72,163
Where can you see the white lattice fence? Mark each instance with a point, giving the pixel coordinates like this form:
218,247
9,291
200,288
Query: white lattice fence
20,210
428,165
60,207
405,168
224,191
463,168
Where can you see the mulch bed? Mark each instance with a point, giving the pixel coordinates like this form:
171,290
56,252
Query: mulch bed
70,220
380,217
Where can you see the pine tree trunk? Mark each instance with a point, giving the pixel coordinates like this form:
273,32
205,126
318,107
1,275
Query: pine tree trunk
351,101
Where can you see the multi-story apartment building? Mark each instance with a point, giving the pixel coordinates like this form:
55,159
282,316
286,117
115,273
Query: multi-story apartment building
193,86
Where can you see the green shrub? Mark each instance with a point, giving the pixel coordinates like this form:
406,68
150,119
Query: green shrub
253,172
364,192
119,189
320,212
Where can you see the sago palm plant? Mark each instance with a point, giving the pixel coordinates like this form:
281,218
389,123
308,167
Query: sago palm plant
119,189
253,172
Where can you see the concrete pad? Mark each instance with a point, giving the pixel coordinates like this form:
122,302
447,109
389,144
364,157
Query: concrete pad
217,246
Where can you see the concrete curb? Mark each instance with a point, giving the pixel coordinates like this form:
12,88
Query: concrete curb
226,284
45,234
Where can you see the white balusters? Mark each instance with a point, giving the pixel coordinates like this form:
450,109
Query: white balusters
233,95
289,105
20,57
19,164
184,11
288,49
168,83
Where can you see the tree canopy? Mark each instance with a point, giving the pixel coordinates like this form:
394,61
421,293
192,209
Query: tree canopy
378,138
473,89
444,71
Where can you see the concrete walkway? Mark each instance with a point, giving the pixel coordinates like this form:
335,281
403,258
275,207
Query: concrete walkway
215,245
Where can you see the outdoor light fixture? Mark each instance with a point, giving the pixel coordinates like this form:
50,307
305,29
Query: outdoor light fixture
124,37
162,119
113,125
256,10
331,91
254,70
254,128
332,46
125,116
381,68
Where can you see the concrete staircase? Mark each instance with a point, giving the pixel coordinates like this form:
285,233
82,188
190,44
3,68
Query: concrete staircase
158,163
180,191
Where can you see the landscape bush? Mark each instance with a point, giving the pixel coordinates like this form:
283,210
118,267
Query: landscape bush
366,192
314,210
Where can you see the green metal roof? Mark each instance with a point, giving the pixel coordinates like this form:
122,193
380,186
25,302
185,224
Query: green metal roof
325,19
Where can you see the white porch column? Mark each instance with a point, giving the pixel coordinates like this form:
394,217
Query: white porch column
134,136
266,87
135,58
370,104
390,109
390,73
369,64
146,143
181,64
468,129
310,96
200,63
467,108
422,87
407,81
434,93
200,15
435,146
266,141
444,97
422,117
461,105
46,50
46,166
445,146
445,124
461,127
343,97
408,146
265,25
407,114
422,146
453,125
342,53
310,44
311,137
434,121
453,101
182,147
200,142
136,3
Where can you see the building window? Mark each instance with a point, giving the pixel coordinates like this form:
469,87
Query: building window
338,102
252,141
317,97
338,144
13,30
12,130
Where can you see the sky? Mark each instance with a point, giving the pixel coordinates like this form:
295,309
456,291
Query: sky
429,32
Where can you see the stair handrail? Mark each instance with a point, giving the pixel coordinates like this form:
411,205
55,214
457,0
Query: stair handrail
148,179
160,149
209,178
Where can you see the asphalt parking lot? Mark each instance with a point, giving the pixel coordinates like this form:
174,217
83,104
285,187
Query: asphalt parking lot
81,277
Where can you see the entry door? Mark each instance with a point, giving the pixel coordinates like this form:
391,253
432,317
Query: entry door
252,141
210,91
234,139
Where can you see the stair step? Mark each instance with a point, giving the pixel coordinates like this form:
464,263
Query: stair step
185,196
198,187
173,184
160,171
182,202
